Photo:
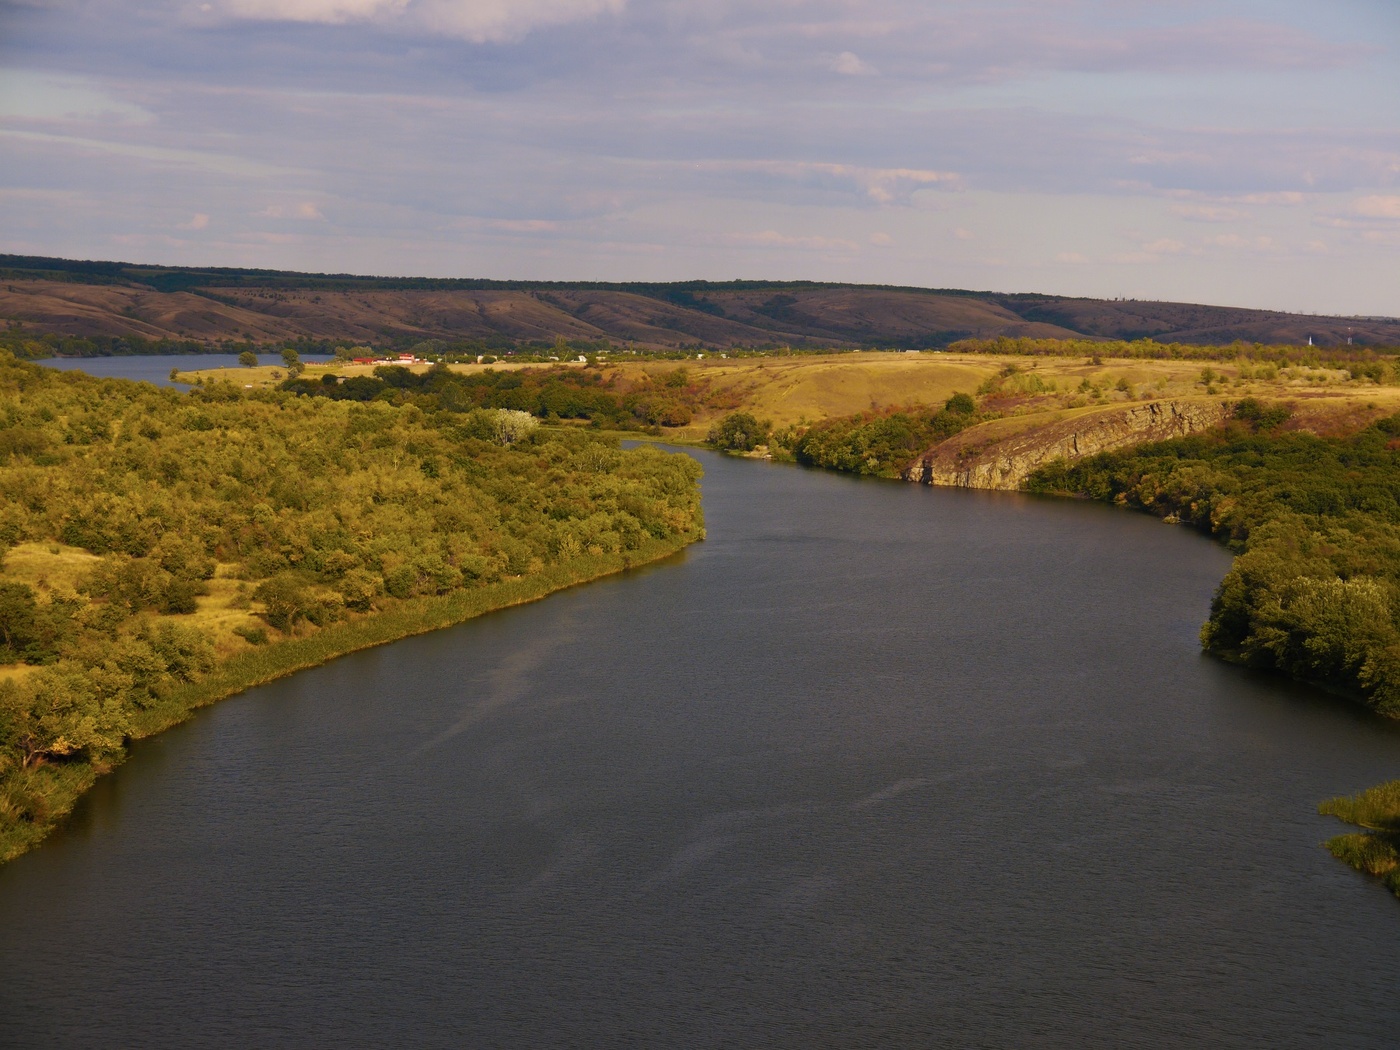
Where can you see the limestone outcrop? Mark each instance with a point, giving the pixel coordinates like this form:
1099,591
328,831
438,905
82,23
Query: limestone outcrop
980,459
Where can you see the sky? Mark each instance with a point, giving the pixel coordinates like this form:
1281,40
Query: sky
1234,152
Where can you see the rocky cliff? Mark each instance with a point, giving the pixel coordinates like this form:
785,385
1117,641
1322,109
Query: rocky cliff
981,459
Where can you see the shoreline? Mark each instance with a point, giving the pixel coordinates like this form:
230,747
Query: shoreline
68,782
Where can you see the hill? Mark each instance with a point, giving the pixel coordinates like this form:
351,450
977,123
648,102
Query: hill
120,300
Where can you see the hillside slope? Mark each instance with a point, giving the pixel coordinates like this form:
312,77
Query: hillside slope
121,300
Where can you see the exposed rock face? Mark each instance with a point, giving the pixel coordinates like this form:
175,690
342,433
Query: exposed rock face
965,461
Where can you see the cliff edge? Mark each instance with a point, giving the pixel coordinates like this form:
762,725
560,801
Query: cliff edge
985,457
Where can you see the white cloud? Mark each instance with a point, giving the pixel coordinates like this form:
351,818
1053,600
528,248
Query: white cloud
1164,246
774,239
1378,207
198,221
31,95
306,211
849,64
480,21
881,185
1207,213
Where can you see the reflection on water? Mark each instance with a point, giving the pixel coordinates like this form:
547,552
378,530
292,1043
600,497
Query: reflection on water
875,765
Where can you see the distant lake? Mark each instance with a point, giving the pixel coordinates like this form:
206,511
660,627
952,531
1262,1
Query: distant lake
876,765
155,368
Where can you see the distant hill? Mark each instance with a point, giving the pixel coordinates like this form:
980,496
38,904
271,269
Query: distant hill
114,299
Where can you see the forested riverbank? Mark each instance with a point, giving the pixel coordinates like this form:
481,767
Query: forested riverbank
1314,592
163,550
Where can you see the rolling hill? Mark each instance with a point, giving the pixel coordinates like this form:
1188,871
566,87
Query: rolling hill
44,295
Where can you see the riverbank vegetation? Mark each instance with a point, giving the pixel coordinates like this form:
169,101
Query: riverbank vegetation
1376,849
615,400
1314,592
163,549
879,444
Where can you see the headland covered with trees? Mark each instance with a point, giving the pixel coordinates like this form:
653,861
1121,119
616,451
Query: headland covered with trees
165,549
1314,592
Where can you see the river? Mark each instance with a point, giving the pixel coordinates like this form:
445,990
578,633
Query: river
155,368
875,765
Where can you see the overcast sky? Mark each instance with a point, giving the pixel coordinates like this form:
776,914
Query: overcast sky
1241,152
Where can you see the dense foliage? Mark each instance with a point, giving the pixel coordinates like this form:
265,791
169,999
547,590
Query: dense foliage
24,343
882,443
548,393
739,432
1315,591
324,511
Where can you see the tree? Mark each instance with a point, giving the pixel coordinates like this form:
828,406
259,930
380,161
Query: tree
511,425
739,432
65,709
285,599
18,612
960,405
291,360
248,359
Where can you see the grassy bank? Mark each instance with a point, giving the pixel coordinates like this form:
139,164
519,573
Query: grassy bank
1376,849
57,786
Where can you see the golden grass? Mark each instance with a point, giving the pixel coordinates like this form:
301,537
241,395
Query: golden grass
47,567
810,387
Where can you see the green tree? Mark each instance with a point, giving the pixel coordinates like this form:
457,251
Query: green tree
285,599
291,361
739,432
62,710
960,404
248,359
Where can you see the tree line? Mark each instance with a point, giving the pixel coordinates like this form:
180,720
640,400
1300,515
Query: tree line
323,511
1314,592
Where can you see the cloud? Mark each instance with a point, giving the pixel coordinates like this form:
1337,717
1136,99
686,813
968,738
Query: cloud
198,221
306,211
881,185
774,239
478,21
1378,207
1206,213
849,64
1163,246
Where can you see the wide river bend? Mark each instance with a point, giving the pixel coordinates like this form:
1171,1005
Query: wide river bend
875,765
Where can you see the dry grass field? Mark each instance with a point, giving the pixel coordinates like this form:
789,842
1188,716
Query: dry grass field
1024,391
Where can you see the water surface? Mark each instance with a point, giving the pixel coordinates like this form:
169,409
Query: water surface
155,368
875,765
